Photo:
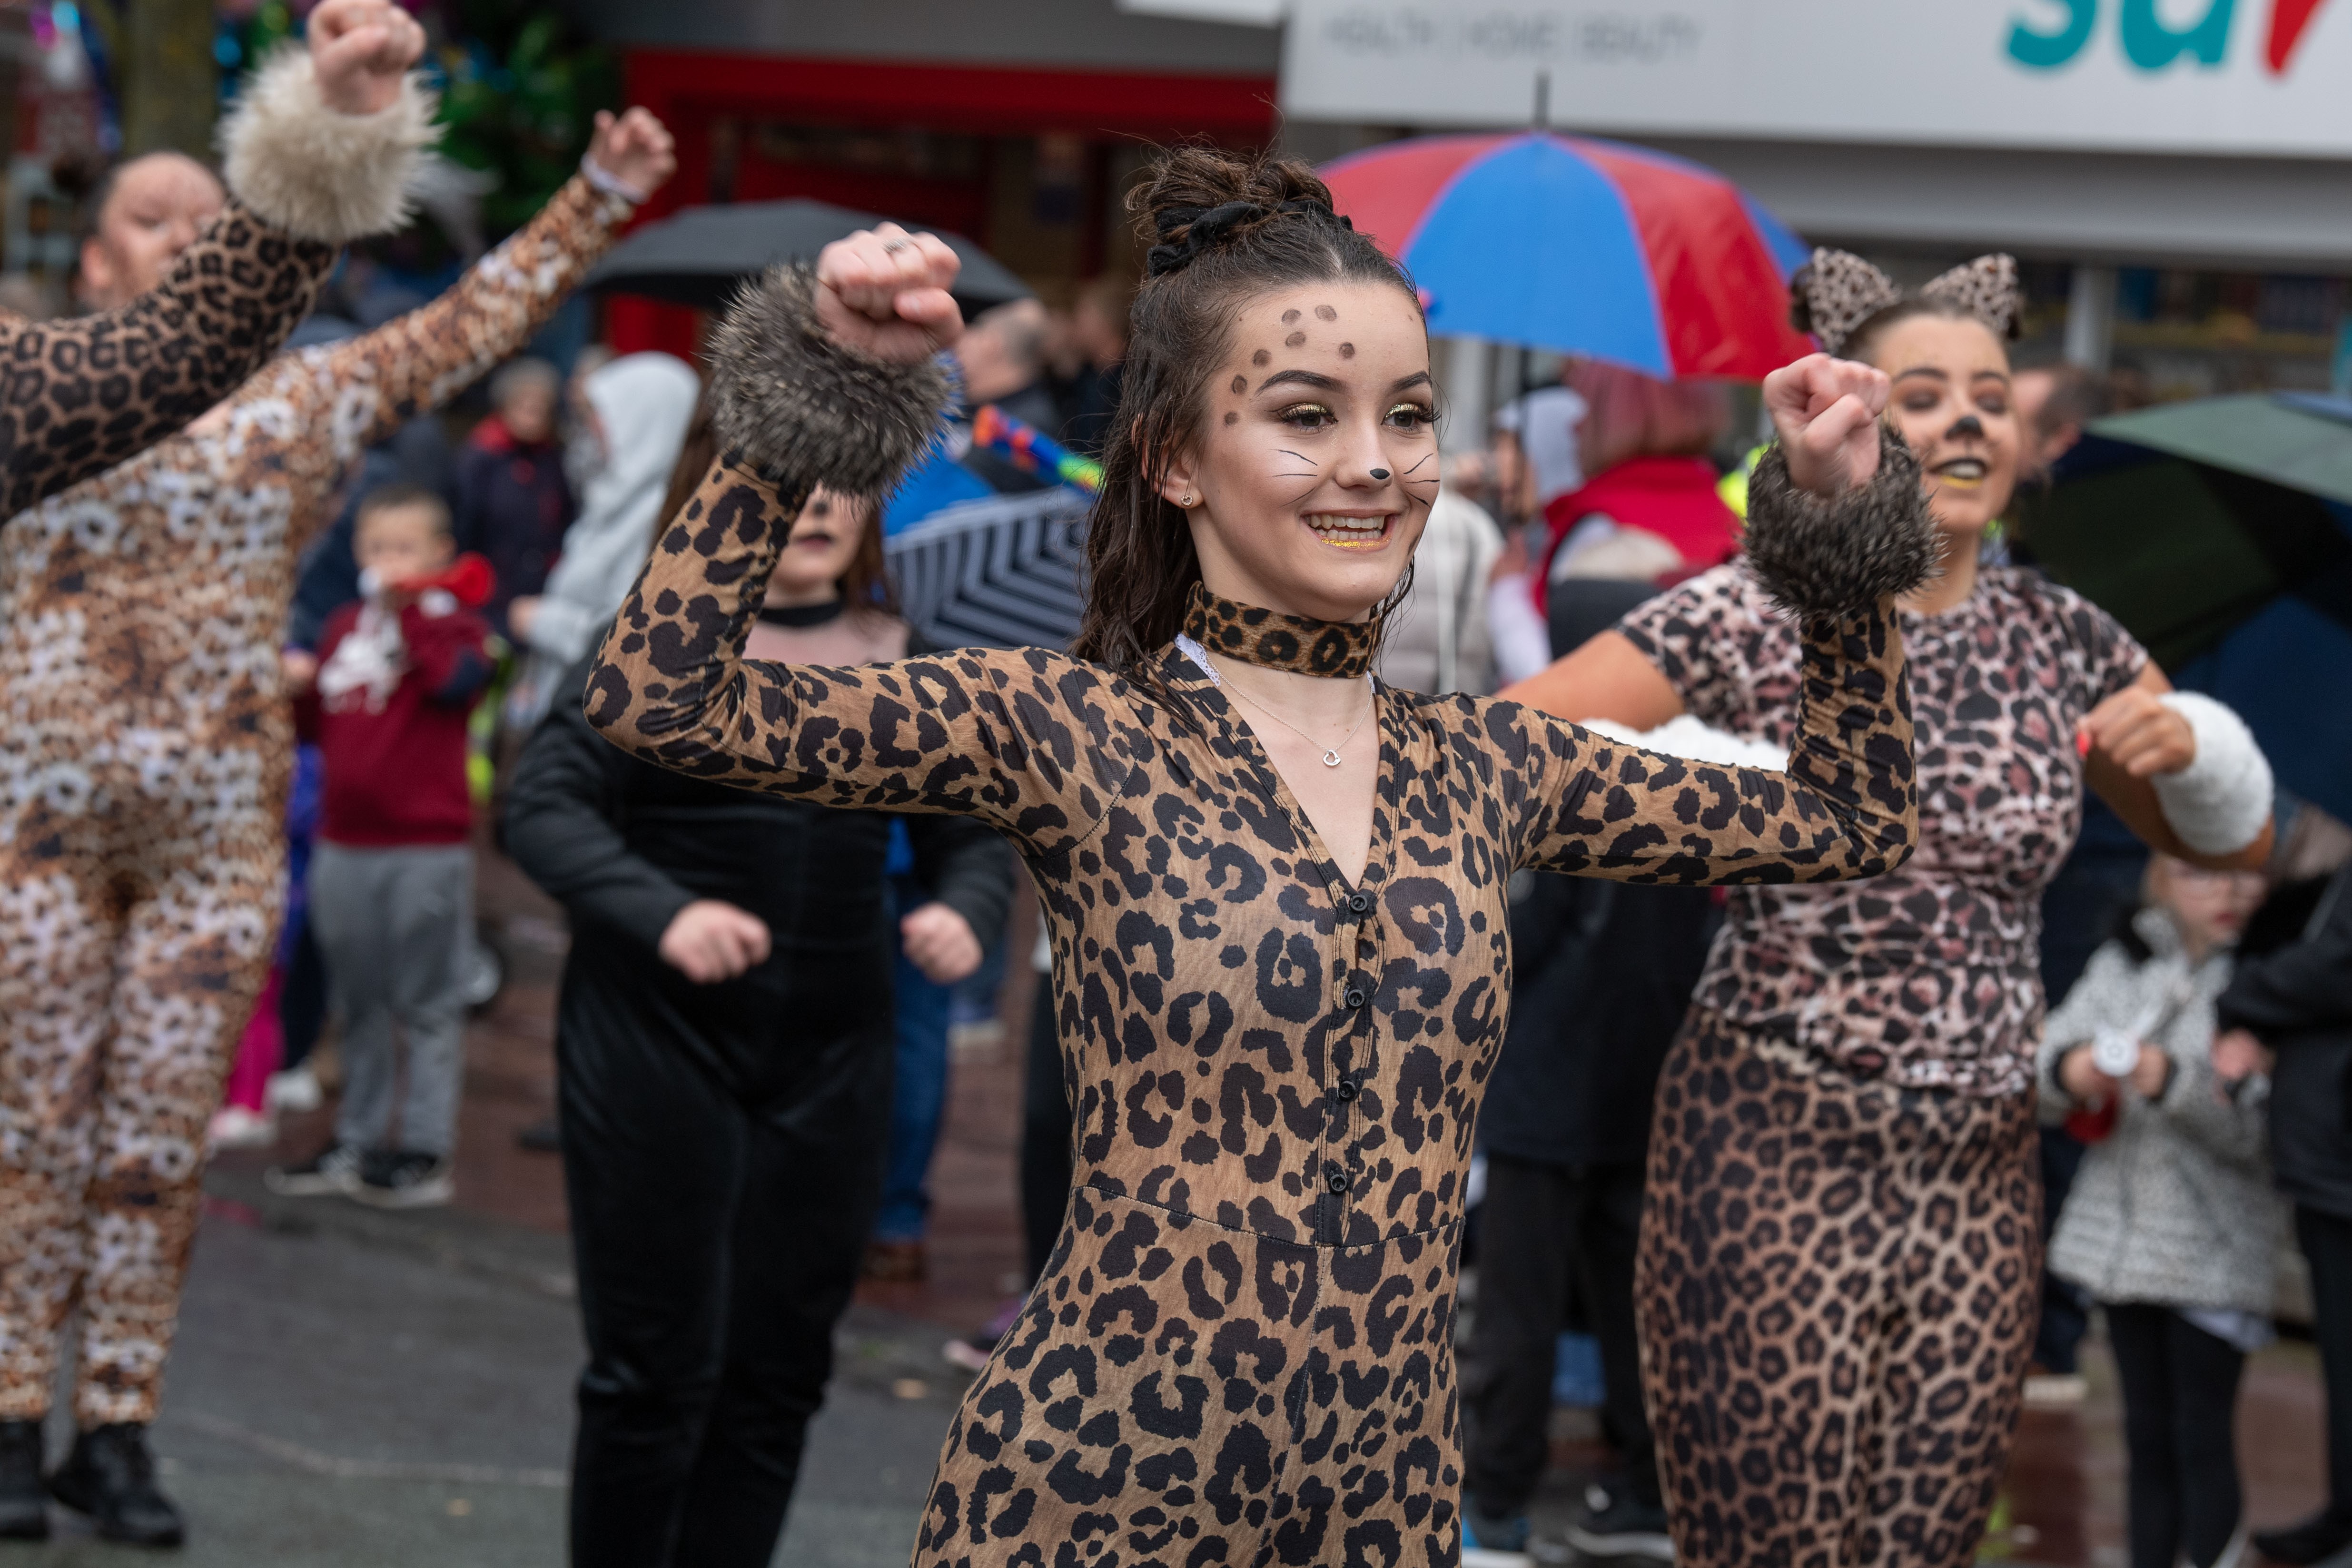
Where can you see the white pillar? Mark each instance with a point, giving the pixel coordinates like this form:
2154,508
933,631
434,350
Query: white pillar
2091,317
1465,371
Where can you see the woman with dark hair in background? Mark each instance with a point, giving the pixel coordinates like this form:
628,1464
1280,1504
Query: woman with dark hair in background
723,1039
1276,888
1833,1359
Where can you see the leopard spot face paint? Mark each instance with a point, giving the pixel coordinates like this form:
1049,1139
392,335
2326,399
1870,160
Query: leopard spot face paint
1262,358
1240,384
1231,418
1295,341
1347,350
1324,313
1288,317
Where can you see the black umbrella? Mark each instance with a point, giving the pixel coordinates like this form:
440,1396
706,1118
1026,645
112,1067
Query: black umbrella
698,256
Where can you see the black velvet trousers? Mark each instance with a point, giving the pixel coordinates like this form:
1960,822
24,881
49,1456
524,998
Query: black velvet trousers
720,1209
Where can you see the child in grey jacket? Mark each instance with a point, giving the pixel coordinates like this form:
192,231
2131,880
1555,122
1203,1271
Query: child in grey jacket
2171,1225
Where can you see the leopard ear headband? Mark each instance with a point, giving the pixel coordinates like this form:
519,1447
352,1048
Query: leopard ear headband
1837,291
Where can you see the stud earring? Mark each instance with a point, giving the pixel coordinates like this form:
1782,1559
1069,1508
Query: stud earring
1187,502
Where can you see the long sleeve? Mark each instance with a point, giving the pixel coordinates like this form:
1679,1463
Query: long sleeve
1033,743
559,829
2305,985
415,362
967,868
361,390
80,395
1846,807
2102,997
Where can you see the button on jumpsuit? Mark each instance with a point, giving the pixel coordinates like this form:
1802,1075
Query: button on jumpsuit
1240,1352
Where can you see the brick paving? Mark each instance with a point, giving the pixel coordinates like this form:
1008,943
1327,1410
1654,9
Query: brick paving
2061,1504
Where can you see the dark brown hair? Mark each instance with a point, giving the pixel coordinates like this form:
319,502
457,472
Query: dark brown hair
400,497
866,584
1141,566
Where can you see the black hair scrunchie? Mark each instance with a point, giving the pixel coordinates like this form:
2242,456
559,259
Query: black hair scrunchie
1208,227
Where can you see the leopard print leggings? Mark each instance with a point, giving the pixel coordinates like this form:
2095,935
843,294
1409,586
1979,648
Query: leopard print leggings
1837,1286
124,994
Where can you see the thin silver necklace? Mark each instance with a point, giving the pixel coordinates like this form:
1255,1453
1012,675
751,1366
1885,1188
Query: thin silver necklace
1331,757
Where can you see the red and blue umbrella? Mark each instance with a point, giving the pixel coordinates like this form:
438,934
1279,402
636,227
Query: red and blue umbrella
1582,247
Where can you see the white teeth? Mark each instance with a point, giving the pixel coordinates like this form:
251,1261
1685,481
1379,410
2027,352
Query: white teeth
1963,468
1357,528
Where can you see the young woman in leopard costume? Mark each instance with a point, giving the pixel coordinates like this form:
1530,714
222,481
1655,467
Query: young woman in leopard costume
145,747
1841,1251
1275,889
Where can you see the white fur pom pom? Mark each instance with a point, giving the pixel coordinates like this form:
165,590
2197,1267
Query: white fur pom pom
318,174
2218,803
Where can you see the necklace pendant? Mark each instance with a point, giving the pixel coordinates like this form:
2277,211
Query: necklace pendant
1331,757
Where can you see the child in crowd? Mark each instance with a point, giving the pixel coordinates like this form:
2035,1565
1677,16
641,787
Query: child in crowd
391,876
2171,1225
513,499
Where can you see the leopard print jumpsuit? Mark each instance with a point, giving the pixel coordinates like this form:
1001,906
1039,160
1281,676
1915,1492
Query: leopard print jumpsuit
1241,1351
1840,1250
144,755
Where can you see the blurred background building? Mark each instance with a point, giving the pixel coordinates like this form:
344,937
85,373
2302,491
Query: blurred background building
2176,176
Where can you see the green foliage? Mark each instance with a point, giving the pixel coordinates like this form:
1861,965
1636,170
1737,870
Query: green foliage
521,101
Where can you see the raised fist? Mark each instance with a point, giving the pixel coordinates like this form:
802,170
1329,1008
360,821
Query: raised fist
634,149
883,292
359,50
1826,411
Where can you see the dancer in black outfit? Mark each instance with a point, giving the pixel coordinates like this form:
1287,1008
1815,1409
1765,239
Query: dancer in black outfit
723,1136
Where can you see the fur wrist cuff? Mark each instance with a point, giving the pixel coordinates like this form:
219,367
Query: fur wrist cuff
316,173
1823,557
792,401
2218,803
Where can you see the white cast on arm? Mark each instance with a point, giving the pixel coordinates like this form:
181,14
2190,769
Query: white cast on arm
2218,803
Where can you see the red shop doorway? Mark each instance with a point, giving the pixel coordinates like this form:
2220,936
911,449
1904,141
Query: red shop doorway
1026,162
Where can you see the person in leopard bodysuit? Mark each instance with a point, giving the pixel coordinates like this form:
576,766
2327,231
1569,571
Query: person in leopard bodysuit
1275,888
1840,1250
145,752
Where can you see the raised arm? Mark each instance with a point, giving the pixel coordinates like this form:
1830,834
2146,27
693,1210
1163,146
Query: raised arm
1032,742
1838,527
318,150
377,382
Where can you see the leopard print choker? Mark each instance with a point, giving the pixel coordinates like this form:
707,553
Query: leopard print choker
1332,649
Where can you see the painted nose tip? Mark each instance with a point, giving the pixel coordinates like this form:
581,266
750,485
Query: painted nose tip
1380,473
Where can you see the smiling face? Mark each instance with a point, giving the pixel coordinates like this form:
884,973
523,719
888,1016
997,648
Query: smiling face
825,540
1952,402
1313,470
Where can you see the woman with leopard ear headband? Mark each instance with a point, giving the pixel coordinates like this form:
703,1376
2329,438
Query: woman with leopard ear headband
1276,888
1834,1362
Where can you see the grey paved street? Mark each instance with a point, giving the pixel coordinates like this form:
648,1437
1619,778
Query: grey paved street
370,1391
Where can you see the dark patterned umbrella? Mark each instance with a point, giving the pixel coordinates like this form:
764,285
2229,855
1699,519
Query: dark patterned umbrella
2220,533
1005,572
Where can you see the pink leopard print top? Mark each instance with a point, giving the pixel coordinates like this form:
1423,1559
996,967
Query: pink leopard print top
1929,974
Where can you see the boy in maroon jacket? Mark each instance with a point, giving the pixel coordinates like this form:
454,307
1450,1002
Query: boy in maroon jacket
392,879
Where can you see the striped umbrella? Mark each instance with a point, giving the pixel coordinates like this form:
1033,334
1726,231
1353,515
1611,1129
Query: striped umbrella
1581,246
999,573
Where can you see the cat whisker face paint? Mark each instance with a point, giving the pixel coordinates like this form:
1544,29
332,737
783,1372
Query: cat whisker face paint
1315,460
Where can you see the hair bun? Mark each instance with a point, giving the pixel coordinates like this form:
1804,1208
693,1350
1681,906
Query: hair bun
1199,198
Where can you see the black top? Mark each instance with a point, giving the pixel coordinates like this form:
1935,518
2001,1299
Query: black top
1602,973
624,845
2295,995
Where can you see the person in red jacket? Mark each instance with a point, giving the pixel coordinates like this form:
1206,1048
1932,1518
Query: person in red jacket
392,879
1647,510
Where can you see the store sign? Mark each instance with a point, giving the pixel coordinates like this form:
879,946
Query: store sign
2195,75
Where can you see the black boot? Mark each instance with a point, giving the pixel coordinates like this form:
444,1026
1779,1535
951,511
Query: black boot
23,1502
2321,1536
110,1477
